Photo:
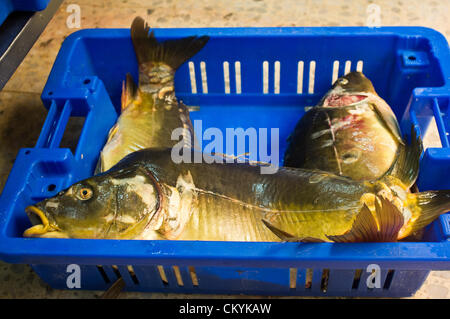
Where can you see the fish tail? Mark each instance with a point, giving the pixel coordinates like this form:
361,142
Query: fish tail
431,205
171,52
406,168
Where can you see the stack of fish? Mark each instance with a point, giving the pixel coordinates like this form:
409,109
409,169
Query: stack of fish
350,178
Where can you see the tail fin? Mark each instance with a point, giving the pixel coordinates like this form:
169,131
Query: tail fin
431,205
406,168
172,52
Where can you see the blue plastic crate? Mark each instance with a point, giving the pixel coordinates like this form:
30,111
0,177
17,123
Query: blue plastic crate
8,6
410,68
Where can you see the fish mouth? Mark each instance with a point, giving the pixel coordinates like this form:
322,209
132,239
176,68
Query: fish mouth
340,100
41,226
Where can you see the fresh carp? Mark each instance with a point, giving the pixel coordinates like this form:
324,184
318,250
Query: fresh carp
353,132
150,111
148,196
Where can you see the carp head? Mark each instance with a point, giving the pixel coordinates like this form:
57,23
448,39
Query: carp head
116,204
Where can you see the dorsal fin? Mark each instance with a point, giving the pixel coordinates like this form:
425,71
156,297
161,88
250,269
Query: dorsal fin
129,92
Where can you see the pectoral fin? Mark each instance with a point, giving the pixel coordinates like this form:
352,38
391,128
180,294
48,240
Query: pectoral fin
129,92
388,118
286,237
406,167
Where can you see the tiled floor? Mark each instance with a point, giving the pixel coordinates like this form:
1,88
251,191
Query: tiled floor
22,113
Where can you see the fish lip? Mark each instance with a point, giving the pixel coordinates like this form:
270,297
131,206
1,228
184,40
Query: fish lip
38,229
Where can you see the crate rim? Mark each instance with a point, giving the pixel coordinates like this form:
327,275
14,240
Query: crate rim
436,39
276,31
408,255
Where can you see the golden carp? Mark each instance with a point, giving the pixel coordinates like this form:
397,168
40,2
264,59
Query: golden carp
150,111
148,196
353,132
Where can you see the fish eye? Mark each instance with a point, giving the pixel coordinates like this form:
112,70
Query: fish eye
343,81
84,193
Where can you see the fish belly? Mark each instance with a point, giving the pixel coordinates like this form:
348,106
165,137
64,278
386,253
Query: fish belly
317,223
217,219
225,220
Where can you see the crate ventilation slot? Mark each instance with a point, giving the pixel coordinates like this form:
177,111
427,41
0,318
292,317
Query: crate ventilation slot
193,275
389,277
177,274
308,278
132,274
266,76
103,274
359,66
312,71
116,271
226,76
204,78
325,277
357,278
176,271
192,77
292,278
163,276
276,78
300,67
237,71
348,65
324,280
335,72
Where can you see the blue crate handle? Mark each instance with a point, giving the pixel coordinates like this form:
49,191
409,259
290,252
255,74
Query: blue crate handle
8,6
